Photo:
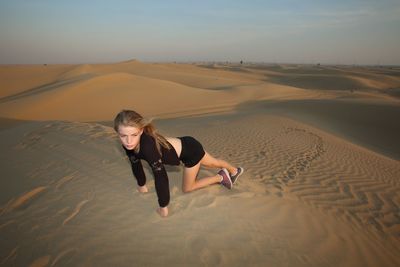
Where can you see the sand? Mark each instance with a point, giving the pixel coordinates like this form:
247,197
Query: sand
319,145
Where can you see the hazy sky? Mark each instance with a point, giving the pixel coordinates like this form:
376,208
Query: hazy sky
298,31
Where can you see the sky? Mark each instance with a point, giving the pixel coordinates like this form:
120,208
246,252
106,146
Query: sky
286,31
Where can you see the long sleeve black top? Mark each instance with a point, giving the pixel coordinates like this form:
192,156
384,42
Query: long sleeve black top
148,152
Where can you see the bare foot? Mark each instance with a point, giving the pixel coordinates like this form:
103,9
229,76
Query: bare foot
143,189
163,211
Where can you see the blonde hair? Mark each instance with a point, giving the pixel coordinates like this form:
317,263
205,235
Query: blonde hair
134,119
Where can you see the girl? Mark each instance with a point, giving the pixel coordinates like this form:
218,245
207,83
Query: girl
141,141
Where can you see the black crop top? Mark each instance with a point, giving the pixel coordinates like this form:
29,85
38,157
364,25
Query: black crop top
148,151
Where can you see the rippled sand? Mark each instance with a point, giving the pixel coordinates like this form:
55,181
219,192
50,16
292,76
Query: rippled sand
320,188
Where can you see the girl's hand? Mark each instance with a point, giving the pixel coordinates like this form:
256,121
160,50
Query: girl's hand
143,189
163,211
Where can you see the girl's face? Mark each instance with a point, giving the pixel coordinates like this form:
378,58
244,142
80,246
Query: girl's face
129,136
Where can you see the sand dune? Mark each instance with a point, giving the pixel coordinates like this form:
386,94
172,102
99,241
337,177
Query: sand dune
78,93
79,70
332,78
15,79
90,99
321,186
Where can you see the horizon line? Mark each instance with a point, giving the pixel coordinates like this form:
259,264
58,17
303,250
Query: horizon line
230,62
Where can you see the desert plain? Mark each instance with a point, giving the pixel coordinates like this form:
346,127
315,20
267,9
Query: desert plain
319,144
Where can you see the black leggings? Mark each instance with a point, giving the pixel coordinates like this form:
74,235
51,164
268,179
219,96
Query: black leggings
192,151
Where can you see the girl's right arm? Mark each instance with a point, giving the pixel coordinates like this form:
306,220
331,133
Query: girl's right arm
137,170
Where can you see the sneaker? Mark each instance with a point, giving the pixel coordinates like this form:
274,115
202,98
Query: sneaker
226,179
239,172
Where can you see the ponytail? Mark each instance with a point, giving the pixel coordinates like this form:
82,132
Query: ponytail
150,129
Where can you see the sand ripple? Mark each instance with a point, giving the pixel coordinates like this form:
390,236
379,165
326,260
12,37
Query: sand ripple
23,200
291,160
307,198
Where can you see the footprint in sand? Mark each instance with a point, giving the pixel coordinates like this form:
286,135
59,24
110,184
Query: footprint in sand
203,202
290,153
304,159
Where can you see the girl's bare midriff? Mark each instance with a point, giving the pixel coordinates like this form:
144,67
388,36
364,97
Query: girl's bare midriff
176,143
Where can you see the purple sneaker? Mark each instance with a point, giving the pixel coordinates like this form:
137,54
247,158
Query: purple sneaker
226,179
239,172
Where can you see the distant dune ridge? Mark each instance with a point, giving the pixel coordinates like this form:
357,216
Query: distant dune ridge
319,145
